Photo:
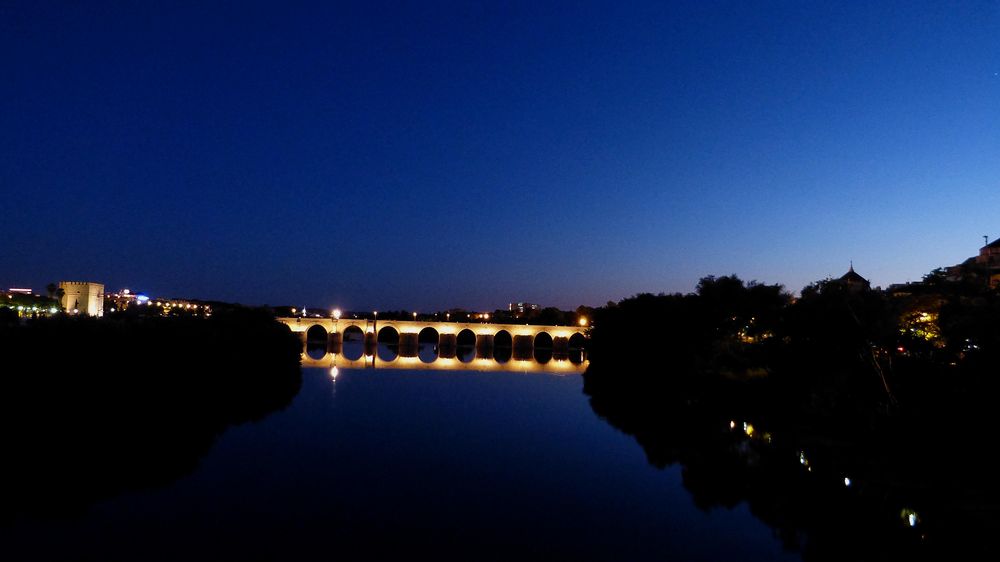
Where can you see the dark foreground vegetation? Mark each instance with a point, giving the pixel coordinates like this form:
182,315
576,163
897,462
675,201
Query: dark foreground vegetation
857,423
90,408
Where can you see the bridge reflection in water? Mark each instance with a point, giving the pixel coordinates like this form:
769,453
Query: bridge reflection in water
555,365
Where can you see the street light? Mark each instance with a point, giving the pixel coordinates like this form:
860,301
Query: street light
583,321
414,316
336,314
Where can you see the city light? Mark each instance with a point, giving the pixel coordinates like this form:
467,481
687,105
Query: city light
336,314
909,516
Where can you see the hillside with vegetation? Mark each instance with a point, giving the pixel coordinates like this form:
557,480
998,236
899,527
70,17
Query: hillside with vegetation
845,412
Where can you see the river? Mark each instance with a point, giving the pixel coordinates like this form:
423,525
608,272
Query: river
368,463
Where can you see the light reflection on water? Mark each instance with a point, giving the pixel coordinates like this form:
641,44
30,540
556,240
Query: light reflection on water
354,355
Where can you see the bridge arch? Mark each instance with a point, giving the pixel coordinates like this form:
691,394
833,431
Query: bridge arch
503,339
352,324
577,341
503,346
317,333
466,338
465,345
428,344
353,343
388,335
543,340
543,347
428,335
353,333
316,342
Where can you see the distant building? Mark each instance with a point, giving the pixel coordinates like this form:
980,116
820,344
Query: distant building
124,299
27,304
977,268
988,261
519,308
854,282
82,297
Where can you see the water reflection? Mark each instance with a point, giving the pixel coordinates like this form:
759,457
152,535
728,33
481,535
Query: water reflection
904,495
543,355
315,350
388,352
466,353
502,354
427,352
357,354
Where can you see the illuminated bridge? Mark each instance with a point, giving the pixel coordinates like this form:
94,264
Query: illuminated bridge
447,336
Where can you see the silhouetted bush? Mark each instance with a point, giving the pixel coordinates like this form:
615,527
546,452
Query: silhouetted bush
92,407
834,375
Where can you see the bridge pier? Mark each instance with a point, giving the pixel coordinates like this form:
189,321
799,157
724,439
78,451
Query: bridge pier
447,344
336,343
484,346
408,344
371,343
560,347
523,347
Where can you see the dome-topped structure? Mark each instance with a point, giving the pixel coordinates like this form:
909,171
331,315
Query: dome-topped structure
853,281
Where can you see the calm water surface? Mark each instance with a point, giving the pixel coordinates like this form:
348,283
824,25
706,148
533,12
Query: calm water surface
391,463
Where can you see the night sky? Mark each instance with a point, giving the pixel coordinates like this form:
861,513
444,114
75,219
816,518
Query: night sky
427,156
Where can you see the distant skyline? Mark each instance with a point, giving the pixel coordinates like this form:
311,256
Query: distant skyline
433,155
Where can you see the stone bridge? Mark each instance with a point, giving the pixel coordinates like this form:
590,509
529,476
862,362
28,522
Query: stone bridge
447,336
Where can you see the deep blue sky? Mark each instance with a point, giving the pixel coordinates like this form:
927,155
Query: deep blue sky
428,156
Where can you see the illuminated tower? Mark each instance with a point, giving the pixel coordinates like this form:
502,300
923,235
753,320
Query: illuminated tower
83,296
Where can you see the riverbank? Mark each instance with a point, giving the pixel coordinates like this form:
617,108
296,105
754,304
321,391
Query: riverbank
94,407
823,414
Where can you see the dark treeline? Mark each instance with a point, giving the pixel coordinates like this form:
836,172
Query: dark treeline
893,390
90,408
